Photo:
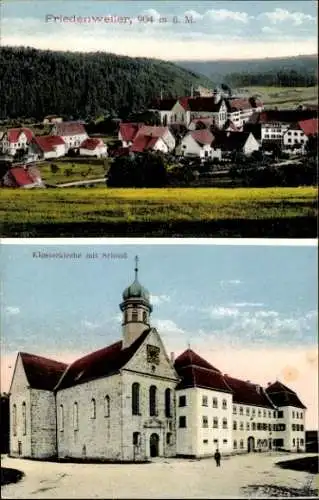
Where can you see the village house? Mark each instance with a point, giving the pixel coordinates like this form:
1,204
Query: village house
127,133
130,401
93,147
199,143
47,146
140,137
15,139
49,119
239,110
73,133
22,177
237,142
171,111
297,135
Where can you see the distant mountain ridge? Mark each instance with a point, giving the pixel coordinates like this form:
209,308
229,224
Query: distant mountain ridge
218,70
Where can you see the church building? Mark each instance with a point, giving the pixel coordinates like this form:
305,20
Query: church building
130,401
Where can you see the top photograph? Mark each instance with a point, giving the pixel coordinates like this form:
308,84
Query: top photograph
159,119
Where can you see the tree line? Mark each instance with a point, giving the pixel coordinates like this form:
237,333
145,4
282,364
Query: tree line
36,83
273,78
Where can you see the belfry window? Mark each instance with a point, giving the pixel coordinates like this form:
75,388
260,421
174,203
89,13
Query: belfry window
144,317
134,315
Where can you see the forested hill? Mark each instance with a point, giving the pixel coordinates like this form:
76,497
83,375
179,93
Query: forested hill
36,83
303,66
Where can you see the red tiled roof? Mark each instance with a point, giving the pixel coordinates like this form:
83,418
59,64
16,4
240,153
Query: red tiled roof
143,142
202,136
21,176
309,127
100,363
42,373
47,142
189,357
13,134
195,376
207,104
248,393
129,130
152,130
92,143
69,128
281,395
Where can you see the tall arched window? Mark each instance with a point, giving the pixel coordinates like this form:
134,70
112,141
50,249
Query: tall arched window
75,416
136,398
24,418
168,403
134,315
144,317
107,406
153,402
61,418
14,419
93,408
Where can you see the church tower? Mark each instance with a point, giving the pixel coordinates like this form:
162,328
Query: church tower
136,309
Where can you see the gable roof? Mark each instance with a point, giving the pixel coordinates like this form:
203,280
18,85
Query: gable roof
128,131
69,128
202,137
245,392
281,395
232,141
92,143
101,363
152,130
309,127
143,142
42,373
205,104
24,176
163,104
13,134
47,142
189,357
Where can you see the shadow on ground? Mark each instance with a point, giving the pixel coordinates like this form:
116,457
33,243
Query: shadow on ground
10,475
306,464
294,227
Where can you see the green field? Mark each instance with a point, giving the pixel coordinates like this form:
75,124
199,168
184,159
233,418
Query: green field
284,97
277,212
70,172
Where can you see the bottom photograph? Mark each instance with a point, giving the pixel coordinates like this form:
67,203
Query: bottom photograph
159,370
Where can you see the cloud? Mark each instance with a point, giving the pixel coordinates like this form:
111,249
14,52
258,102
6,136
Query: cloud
12,310
281,15
159,299
222,15
230,282
248,304
90,325
223,312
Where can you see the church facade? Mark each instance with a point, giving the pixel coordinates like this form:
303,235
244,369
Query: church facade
130,401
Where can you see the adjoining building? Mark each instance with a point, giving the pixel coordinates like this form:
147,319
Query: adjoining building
131,401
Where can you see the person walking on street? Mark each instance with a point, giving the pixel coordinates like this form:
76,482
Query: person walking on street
217,457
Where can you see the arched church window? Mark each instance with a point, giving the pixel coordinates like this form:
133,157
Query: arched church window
75,416
134,315
135,398
93,408
61,418
24,418
153,402
14,419
107,406
168,403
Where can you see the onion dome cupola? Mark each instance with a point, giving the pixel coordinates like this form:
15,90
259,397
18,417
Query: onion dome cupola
136,308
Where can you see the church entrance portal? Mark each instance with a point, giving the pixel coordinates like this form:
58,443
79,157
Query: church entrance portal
251,444
154,445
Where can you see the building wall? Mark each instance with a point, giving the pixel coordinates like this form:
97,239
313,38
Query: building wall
20,434
186,437
99,151
11,148
43,419
251,145
99,437
169,139
294,137
248,418
273,131
161,146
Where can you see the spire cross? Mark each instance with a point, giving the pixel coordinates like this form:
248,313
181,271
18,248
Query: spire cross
136,266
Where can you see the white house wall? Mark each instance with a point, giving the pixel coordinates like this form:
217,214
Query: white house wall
251,145
99,437
186,438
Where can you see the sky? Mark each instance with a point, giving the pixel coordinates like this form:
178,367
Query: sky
204,30
249,310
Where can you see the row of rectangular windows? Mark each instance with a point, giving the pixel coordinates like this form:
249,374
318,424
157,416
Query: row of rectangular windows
259,426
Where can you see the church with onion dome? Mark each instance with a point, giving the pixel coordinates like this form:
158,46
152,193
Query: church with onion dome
131,401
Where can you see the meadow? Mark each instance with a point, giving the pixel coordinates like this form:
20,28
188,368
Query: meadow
207,212
284,97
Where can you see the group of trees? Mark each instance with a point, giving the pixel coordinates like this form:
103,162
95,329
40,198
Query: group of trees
273,78
146,170
80,85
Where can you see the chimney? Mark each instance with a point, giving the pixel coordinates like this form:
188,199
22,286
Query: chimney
172,357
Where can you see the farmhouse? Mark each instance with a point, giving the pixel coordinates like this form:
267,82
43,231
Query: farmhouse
47,146
73,133
239,142
140,137
199,143
93,147
15,139
22,177
131,401
298,133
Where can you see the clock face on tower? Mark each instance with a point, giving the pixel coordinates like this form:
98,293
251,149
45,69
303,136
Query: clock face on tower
152,354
